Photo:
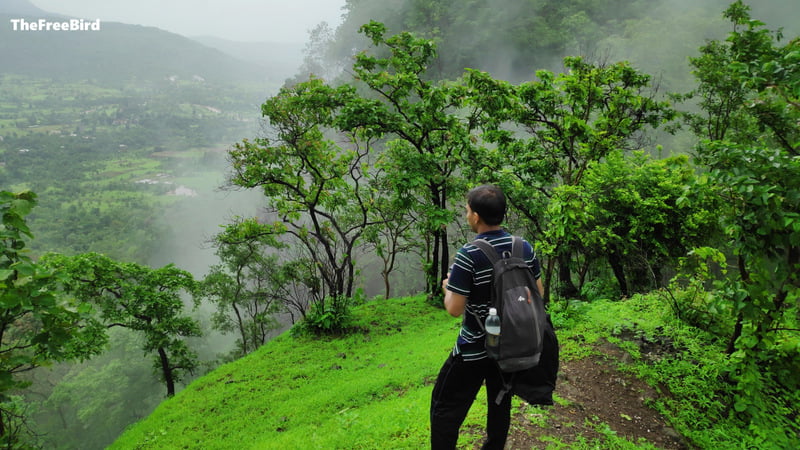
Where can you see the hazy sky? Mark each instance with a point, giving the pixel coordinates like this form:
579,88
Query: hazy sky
238,20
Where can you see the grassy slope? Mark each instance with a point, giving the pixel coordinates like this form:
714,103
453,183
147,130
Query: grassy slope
372,389
368,389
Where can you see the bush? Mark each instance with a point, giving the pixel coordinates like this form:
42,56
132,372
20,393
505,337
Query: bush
329,316
602,287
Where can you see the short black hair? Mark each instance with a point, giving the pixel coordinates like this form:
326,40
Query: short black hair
489,202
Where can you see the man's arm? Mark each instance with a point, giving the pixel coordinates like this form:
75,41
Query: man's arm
454,303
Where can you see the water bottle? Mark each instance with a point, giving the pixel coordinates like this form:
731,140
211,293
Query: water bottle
492,332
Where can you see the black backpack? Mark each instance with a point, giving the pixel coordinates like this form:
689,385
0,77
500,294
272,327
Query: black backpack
520,306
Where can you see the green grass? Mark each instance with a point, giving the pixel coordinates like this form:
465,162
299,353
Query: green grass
366,390
371,389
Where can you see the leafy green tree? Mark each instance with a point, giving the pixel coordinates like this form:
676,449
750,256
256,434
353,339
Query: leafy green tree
750,149
139,298
391,236
633,212
319,190
427,132
37,326
326,195
547,132
249,288
74,398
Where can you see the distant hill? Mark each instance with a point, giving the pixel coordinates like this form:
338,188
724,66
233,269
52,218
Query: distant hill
19,8
119,52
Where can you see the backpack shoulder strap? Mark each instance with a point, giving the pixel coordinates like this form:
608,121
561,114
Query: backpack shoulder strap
517,249
487,249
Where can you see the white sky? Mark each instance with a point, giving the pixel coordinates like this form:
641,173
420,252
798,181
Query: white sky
237,20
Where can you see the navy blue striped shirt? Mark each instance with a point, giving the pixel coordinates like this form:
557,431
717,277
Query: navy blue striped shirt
471,276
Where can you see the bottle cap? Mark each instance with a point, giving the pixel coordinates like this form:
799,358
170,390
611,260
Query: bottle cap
492,311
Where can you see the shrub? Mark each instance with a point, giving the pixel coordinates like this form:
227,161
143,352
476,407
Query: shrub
329,316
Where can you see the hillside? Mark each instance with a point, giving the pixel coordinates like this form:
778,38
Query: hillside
371,389
20,8
115,53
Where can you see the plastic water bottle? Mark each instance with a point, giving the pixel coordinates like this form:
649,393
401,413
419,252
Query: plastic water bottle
492,332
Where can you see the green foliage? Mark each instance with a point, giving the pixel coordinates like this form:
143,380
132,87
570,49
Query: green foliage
689,297
601,287
508,37
685,364
140,298
549,131
105,394
319,191
426,131
330,316
250,287
37,326
634,212
572,119
754,169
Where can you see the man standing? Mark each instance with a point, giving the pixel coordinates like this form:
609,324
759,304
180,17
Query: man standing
468,289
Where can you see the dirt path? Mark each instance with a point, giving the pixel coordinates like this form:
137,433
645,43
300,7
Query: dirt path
600,400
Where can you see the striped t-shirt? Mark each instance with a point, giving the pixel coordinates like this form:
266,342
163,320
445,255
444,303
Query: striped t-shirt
471,276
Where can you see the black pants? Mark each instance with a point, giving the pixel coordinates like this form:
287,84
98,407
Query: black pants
453,394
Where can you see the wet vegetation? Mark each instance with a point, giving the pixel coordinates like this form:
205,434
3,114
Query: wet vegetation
662,195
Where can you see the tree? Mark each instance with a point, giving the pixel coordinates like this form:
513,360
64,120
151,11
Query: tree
37,326
319,190
547,132
249,288
748,89
139,298
632,212
428,134
391,235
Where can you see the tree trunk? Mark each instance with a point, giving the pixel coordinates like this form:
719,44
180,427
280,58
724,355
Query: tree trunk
619,272
445,259
737,331
386,285
551,264
3,436
744,275
167,371
242,330
566,287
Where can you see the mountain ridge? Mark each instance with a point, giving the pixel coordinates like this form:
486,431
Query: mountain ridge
117,52
120,52
23,8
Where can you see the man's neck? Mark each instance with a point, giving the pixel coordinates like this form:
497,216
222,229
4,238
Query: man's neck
482,228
